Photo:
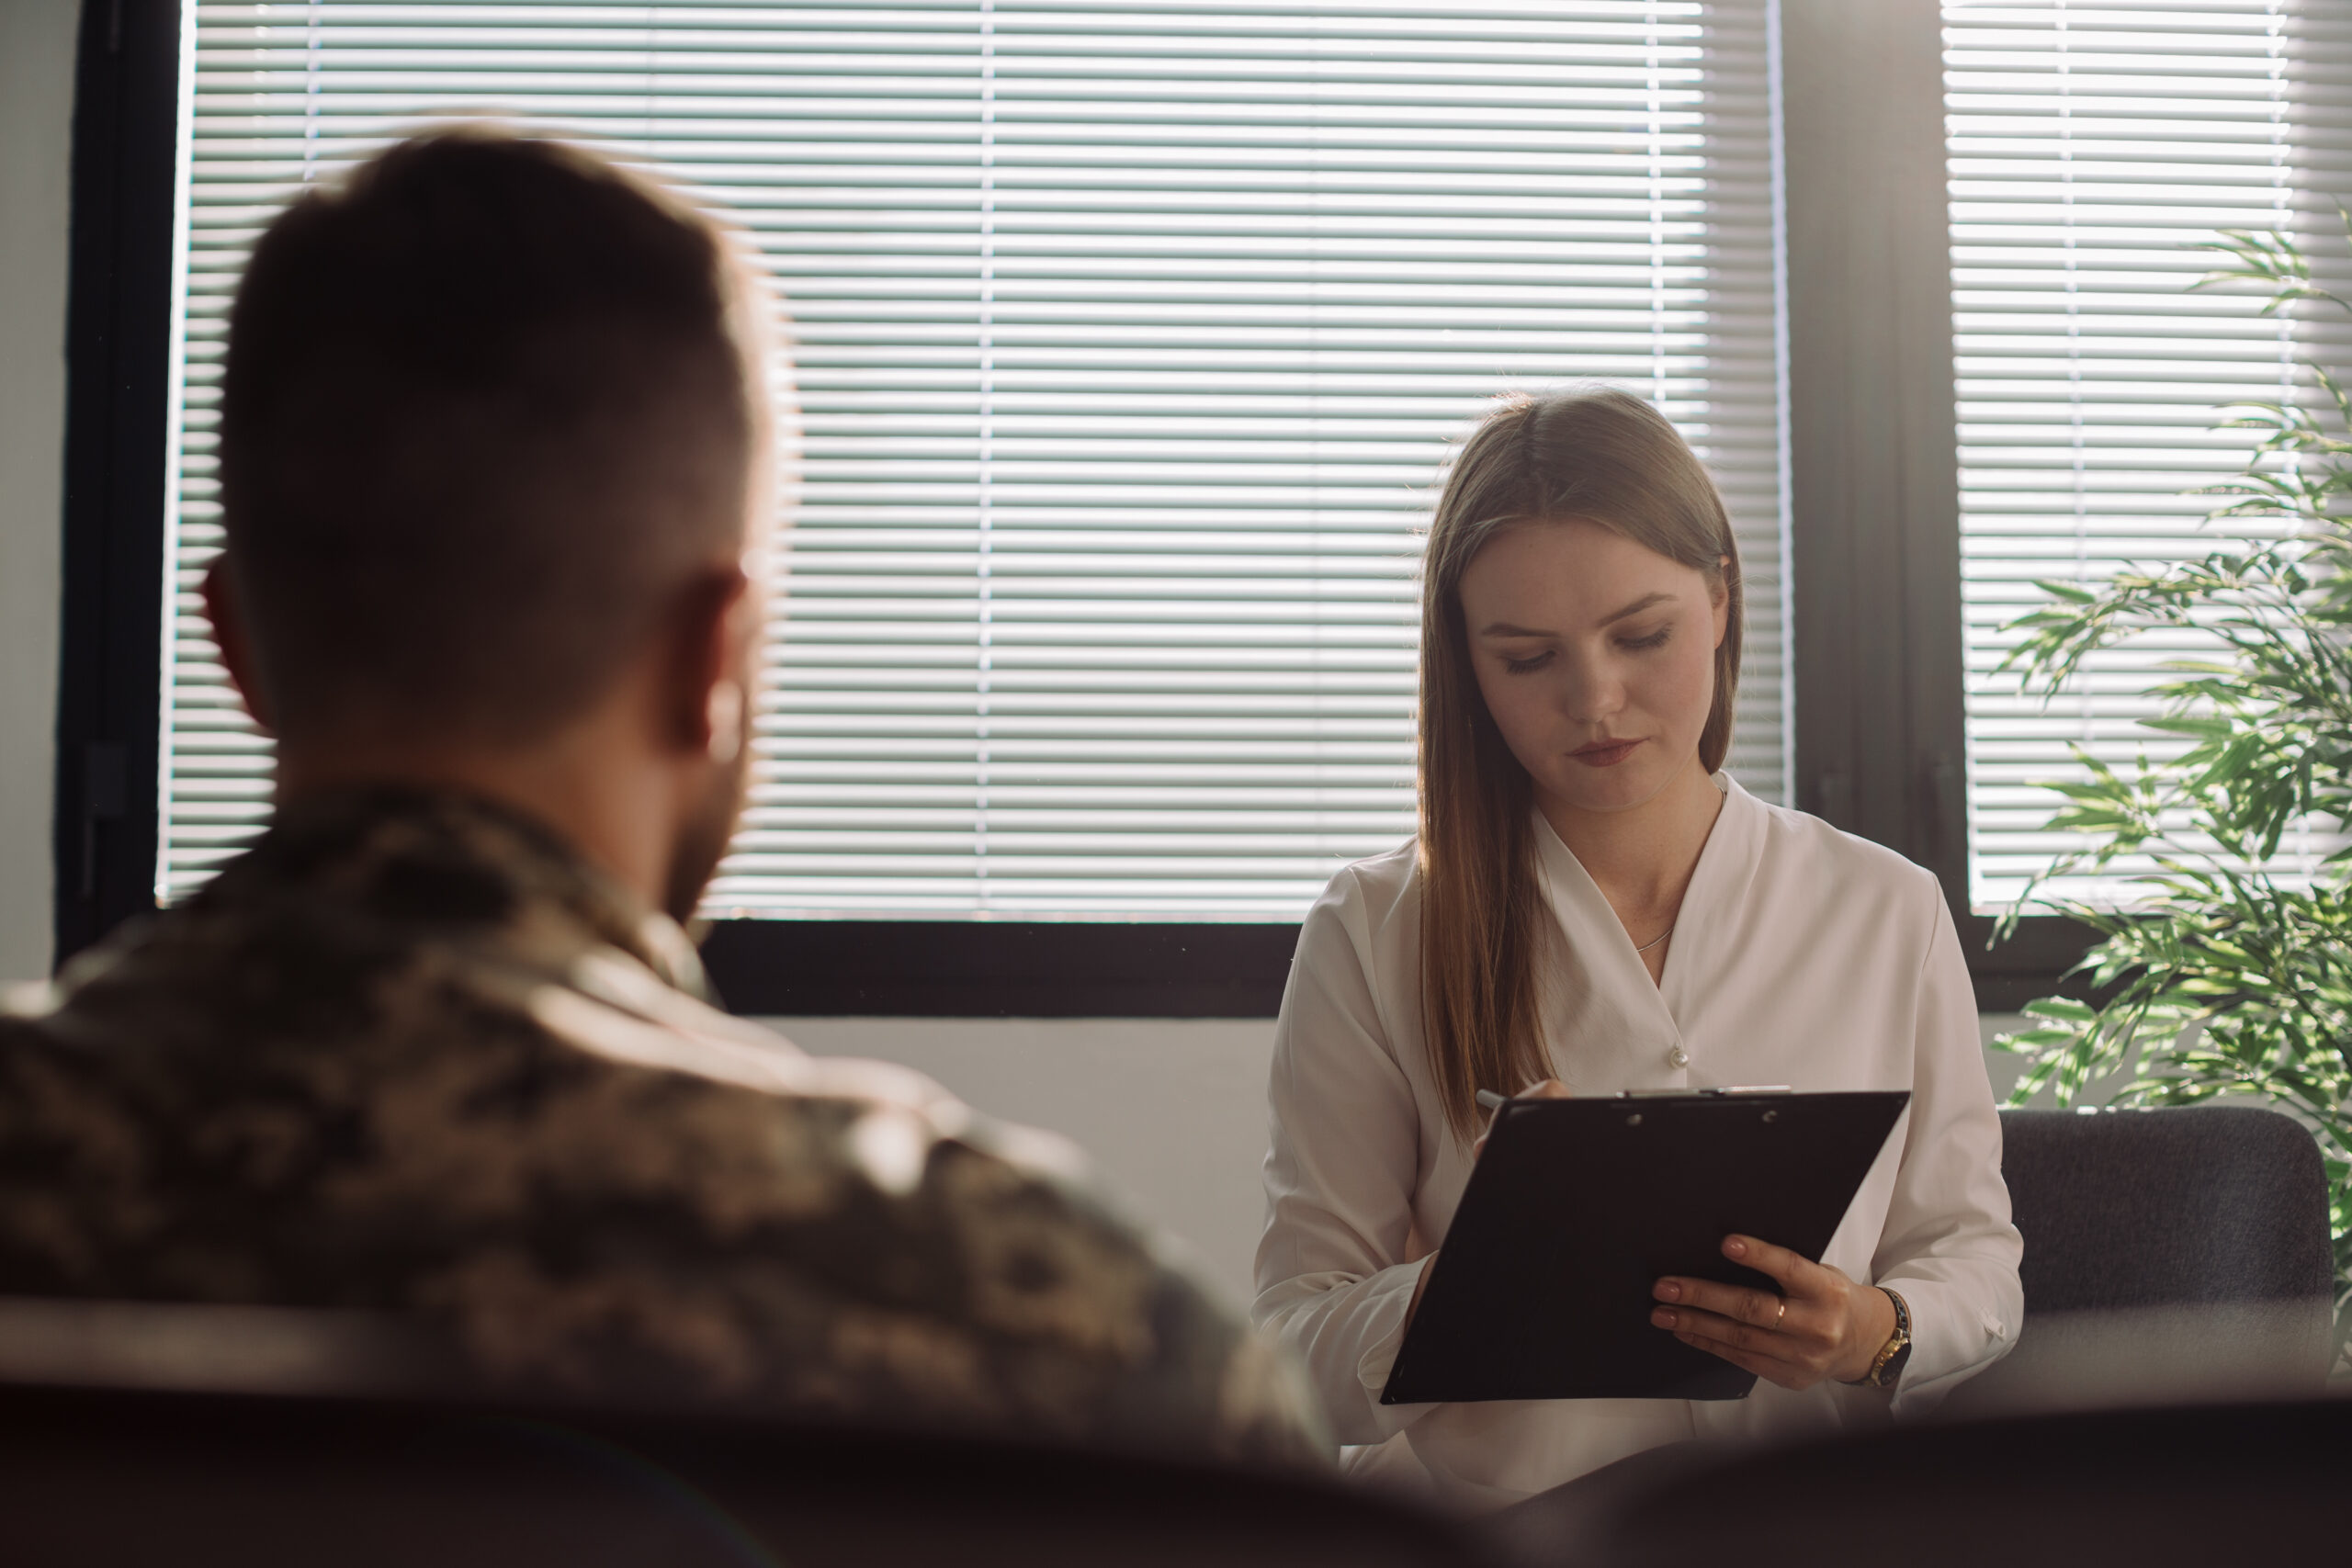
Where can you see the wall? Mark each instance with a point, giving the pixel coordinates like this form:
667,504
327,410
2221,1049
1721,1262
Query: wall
1173,1110
36,115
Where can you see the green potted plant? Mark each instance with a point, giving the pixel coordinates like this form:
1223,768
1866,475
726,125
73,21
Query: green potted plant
2221,977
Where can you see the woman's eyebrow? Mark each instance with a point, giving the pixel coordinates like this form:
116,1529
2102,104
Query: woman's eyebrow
1636,607
1507,628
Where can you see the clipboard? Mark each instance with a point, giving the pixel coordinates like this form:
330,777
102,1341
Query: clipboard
1578,1206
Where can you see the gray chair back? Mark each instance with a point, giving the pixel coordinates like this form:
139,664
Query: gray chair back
2169,1254
2124,1209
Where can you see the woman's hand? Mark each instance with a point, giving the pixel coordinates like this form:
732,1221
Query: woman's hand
1821,1326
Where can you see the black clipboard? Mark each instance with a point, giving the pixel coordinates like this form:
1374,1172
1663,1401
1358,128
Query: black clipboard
1578,1207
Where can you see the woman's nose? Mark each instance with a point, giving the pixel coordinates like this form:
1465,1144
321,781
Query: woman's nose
1591,690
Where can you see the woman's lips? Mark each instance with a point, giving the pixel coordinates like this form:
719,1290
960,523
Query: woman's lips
1605,754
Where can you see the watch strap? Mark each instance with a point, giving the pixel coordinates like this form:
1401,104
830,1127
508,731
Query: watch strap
1888,1364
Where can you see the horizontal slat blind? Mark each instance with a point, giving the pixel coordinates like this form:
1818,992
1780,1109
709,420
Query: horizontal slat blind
1128,339
2093,146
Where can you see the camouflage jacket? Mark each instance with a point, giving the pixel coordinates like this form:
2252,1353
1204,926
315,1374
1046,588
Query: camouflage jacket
411,1053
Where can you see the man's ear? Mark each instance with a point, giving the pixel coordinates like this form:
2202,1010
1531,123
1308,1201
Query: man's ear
227,615
707,696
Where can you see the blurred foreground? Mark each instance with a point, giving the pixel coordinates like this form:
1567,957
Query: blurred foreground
132,1433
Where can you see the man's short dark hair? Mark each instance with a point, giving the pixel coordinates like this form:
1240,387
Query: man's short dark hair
487,403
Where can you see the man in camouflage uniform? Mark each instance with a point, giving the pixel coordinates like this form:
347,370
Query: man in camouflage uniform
436,1043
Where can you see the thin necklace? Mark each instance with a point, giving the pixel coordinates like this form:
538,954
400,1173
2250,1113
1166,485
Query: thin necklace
1655,940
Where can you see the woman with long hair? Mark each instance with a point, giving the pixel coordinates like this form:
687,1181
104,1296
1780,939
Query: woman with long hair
1593,905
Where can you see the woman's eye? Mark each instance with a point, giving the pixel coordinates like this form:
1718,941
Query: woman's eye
1530,664
1655,639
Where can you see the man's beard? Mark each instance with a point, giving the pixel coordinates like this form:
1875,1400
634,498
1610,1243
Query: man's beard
704,837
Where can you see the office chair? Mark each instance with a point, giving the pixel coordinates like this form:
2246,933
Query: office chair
2169,1255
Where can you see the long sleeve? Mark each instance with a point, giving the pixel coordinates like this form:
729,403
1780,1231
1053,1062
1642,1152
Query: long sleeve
1948,1246
1333,1275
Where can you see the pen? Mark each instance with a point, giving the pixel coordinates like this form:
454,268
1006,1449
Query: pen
1489,1100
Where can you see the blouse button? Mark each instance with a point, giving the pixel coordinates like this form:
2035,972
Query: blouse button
1679,1057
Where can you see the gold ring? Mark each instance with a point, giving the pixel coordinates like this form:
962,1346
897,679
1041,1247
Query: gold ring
1780,1316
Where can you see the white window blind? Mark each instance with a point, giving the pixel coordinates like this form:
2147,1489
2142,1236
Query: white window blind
2092,147
1129,340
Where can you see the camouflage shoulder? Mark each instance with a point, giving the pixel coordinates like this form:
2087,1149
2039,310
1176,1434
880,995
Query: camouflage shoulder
1051,1261
937,1237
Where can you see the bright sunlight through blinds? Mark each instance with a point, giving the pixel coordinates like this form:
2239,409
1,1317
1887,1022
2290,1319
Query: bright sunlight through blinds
1128,341
2093,148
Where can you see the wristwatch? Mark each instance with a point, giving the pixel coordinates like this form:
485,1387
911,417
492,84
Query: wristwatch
1888,1366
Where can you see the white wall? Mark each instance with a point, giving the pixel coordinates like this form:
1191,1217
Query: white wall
36,115
1172,1110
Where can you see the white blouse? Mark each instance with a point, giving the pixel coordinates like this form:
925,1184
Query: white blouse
1802,956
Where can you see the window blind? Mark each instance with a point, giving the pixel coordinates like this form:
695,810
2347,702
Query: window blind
1130,340
2092,148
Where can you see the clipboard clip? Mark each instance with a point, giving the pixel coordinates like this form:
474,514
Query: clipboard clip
1489,1100
1724,1092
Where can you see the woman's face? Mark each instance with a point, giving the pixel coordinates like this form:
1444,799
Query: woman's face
1596,657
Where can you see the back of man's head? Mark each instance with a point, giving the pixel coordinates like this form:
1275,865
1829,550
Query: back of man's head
487,403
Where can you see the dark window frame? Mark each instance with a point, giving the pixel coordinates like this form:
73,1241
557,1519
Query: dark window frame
126,127
1874,534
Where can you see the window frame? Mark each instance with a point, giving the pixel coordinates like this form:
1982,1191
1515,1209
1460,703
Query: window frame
1874,463
124,192
1872,466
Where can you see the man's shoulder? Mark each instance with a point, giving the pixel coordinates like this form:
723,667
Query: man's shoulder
566,1165
963,1269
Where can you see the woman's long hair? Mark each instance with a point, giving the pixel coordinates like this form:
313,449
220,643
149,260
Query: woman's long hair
1594,454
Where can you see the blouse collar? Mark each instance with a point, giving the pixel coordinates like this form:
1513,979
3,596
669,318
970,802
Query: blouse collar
1600,956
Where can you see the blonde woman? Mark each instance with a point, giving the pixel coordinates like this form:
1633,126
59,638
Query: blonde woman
1592,905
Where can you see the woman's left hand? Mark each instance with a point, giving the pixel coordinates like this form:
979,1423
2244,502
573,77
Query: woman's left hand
1821,1326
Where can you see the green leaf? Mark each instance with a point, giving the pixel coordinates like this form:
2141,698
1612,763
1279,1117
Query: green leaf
2218,978
2210,725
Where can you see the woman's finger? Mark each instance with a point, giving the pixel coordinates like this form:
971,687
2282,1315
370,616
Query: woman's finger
1743,1302
1794,1270
1728,1331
